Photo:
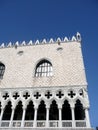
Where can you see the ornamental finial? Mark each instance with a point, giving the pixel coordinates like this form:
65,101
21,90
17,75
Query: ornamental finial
78,37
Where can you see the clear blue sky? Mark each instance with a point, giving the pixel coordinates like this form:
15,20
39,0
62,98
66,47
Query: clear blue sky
37,19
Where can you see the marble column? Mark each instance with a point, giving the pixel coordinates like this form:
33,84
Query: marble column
12,116
60,117
87,118
73,117
23,117
2,111
35,117
47,117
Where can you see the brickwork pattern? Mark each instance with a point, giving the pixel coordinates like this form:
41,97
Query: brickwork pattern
20,63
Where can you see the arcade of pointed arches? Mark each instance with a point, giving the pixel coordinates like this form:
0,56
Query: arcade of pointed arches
65,111
49,110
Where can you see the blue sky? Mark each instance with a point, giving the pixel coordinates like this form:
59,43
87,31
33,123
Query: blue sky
37,19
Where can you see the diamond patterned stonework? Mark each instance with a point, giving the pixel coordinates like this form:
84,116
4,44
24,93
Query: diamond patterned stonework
43,86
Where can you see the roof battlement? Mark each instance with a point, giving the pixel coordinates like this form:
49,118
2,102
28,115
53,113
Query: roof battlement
77,38
20,61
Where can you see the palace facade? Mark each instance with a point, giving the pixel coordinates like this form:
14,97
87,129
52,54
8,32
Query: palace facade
43,85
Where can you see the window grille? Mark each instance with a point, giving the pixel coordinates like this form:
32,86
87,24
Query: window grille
2,69
43,69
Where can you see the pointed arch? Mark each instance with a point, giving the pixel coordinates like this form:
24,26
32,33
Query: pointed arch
66,111
41,113
17,101
7,111
53,99
30,111
54,112
79,111
18,111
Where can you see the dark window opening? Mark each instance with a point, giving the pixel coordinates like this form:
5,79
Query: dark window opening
7,112
41,115
53,112
18,111
66,111
79,111
30,111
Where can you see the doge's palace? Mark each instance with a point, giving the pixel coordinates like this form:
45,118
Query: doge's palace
43,85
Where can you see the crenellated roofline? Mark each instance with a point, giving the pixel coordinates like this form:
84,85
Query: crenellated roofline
76,38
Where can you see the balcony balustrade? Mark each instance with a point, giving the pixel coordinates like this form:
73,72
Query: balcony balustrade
43,123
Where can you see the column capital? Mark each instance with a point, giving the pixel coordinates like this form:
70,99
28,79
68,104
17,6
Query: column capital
60,106
24,108
13,108
47,106
35,107
72,106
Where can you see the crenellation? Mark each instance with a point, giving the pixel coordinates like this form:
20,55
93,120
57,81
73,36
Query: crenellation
23,43
16,44
51,40
73,38
44,41
30,42
9,44
2,45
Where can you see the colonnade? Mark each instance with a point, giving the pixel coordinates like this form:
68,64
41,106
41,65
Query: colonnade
59,113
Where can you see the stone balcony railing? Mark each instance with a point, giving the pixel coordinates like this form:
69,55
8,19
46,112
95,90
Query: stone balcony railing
44,124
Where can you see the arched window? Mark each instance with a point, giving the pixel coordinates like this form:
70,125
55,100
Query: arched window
41,115
66,111
79,111
18,111
30,111
7,111
2,69
43,68
53,112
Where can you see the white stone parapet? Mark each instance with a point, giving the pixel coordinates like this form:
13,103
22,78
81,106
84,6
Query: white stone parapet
76,38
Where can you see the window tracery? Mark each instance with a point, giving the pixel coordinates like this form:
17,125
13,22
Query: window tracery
48,94
16,95
5,96
60,94
43,69
71,94
26,95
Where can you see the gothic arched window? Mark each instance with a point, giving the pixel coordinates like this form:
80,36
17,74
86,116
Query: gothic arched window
7,111
43,68
79,111
18,111
2,69
66,111
53,111
41,113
